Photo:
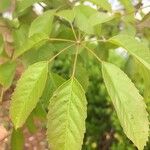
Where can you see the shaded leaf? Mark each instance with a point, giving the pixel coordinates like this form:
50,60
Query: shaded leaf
53,82
33,41
7,72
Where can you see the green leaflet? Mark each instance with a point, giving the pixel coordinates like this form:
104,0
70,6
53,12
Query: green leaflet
136,48
7,72
67,14
43,53
129,104
17,140
53,82
27,93
20,35
33,41
42,24
66,117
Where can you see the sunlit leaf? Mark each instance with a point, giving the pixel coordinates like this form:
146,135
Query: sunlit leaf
128,103
66,117
27,93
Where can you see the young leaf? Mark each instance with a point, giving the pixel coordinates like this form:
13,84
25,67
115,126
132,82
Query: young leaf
136,48
129,104
33,41
27,93
67,14
42,24
7,72
17,140
66,117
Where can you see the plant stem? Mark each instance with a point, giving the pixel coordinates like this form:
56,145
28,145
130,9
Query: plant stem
60,52
95,41
75,61
61,40
73,31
